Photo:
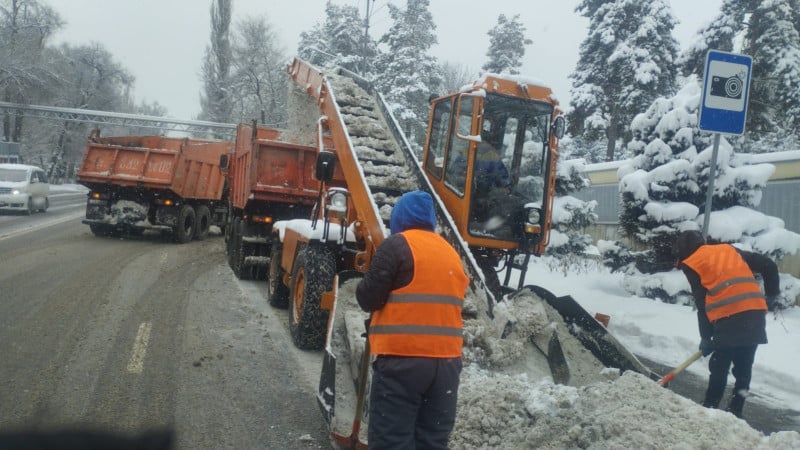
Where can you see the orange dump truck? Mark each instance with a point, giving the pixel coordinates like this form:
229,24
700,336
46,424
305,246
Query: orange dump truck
137,183
271,178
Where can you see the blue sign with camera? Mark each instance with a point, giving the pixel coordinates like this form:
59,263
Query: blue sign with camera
725,92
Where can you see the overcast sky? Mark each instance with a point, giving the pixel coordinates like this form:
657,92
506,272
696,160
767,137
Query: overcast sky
162,41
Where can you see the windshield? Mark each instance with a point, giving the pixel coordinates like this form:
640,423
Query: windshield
510,165
15,175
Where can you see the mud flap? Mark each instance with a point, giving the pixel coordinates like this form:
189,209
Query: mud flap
592,334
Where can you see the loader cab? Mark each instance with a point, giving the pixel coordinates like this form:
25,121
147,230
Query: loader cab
490,155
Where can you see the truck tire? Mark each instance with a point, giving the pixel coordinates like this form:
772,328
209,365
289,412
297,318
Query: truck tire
312,274
203,222
185,227
99,229
239,251
277,292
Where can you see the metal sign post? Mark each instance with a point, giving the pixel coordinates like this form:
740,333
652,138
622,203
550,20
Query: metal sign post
724,106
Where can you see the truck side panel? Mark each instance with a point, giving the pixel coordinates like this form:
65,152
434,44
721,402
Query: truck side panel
188,168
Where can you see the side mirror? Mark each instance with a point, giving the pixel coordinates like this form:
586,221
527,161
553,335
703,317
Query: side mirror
559,127
223,161
326,164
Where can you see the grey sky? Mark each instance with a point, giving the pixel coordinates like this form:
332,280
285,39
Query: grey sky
162,41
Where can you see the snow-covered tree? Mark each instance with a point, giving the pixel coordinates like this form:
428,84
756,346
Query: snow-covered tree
25,27
774,43
407,72
338,41
663,191
626,61
217,99
769,31
507,43
259,74
570,214
455,76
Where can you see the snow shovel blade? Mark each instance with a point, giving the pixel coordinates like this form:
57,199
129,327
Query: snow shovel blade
551,349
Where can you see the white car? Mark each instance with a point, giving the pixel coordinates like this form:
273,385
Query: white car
23,188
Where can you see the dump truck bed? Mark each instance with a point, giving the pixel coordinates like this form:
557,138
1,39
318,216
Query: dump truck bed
266,168
189,168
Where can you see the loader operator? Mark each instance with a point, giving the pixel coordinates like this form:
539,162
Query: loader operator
731,310
415,289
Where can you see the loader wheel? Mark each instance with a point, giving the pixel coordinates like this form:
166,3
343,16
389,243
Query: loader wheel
203,222
277,292
187,221
312,274
239,251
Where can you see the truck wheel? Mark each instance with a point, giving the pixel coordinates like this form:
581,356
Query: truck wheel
277,292
203,222
239,251
312,274
99,229
185,227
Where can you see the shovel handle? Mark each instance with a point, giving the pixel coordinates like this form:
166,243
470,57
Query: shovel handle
668,377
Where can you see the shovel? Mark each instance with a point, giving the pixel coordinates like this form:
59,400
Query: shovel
668,377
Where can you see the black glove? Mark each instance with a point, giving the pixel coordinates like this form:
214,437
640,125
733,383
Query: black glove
706,347
772,302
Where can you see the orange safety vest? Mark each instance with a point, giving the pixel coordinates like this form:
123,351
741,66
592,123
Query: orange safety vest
423,318
730,285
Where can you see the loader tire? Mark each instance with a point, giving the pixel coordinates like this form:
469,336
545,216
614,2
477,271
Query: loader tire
184,229
313,273
277,292
203,222
239,251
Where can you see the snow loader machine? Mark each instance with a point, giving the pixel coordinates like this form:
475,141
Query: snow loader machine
364,164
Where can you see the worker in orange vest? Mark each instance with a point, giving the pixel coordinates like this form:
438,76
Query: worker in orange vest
415,289
731,310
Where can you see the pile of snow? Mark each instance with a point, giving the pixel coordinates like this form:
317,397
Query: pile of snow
500,411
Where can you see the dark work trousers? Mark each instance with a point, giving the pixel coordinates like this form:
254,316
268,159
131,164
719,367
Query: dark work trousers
719,365
412,403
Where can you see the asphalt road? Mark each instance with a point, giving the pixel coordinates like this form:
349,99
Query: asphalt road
135,334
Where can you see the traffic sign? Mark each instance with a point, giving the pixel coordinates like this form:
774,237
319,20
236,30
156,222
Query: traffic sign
725,92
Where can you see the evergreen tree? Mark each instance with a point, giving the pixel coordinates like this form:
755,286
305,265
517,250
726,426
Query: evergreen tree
719,34
507,43
407,72
769,31
338,41
626,61
217,102
570,214
663,191
774,43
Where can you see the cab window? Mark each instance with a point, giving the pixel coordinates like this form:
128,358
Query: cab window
434,163
456,173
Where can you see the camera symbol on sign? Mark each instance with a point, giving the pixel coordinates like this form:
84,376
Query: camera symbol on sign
728,87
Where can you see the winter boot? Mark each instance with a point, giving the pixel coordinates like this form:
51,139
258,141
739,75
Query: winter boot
736,405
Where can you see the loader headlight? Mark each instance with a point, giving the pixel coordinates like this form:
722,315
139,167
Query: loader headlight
533,215
338,202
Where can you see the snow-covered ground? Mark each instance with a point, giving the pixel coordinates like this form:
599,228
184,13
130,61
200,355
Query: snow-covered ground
668,333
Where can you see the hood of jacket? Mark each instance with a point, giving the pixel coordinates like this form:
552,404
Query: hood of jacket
414,210
687,243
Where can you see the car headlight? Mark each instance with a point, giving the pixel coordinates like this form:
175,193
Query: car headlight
533,215
15,192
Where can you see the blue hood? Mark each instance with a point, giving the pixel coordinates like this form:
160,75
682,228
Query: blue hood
413,210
